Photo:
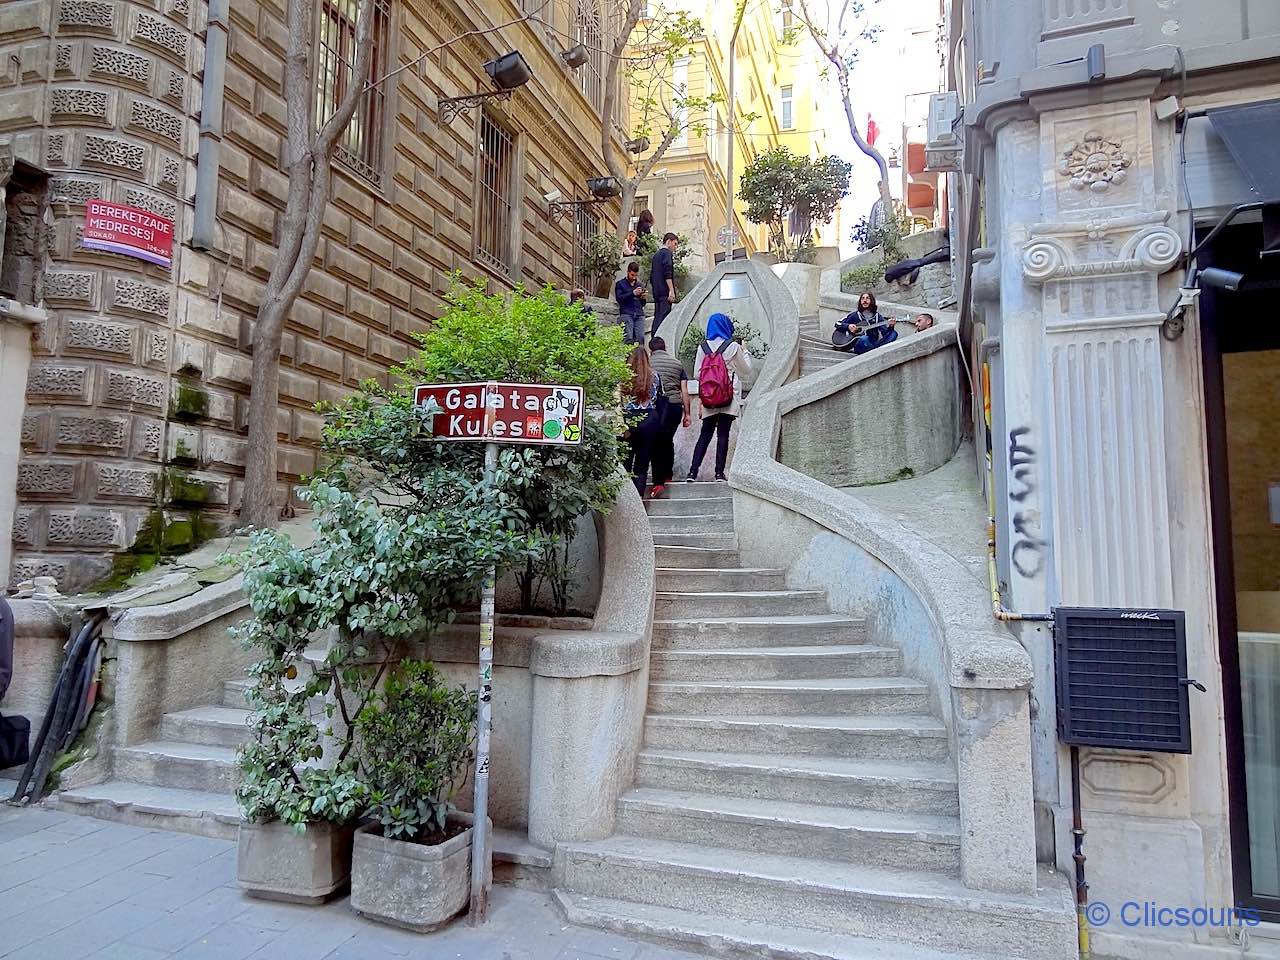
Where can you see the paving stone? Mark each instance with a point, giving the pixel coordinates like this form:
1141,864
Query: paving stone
228,941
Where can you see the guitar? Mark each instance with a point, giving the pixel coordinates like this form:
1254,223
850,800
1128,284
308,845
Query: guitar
843,339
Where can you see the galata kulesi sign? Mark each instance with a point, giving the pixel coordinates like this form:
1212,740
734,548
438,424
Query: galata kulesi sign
131,231
504,412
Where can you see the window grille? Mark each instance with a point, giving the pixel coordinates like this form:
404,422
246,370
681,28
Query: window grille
494,206
586,229
588,30
360,146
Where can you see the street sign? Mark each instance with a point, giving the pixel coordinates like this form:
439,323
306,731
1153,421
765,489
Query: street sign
724,237
131,231
504,412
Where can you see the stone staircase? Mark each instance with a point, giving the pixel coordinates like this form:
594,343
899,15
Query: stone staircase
816,354
795,796
184,780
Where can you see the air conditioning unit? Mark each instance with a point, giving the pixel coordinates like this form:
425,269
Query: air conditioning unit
944,147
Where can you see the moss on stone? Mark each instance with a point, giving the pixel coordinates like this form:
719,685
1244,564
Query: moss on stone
189,402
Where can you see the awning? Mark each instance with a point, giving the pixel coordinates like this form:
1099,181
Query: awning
1251,132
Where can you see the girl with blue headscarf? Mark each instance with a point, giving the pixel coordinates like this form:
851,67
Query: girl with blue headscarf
719,421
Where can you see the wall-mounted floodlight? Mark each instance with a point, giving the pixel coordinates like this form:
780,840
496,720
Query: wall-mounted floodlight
575,56
602,188
1219,279
637,146
508,72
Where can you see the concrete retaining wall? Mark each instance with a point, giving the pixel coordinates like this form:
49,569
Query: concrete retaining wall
901,416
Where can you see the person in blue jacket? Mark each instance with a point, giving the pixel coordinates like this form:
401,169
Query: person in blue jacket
631,296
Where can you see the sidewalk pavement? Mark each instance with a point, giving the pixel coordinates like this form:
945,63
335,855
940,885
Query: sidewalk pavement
74,888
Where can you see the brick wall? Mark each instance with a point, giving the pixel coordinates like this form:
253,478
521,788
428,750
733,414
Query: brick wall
142,375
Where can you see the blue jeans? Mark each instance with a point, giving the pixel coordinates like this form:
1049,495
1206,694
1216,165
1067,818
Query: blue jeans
633,328
864,343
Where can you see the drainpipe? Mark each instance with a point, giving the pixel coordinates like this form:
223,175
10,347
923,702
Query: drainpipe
729,217
203,230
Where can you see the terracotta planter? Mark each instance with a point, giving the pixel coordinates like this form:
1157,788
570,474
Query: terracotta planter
276,863
408,884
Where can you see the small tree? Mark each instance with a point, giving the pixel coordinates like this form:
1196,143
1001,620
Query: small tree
780,188
837,28
640,58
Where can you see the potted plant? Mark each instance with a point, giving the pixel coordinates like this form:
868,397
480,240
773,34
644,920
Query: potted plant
601,259
412,863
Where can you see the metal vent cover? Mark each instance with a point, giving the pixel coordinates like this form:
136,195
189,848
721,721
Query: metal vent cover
1122,678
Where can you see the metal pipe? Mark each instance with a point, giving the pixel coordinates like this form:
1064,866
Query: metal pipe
1077,840
205,226
729,218
481,847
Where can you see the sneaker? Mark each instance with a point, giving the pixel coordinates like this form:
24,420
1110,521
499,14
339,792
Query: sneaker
691,479
657,490
720,478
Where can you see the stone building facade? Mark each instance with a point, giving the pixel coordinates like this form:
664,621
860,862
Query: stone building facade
135,404
1093,164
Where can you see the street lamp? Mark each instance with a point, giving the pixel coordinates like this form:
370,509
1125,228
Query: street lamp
508,72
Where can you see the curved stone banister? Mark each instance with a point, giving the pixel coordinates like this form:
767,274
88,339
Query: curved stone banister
981,673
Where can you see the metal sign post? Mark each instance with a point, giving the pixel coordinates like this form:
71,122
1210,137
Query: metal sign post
512,413
480,853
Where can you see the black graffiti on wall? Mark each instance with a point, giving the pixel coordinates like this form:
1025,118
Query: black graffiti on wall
1027,553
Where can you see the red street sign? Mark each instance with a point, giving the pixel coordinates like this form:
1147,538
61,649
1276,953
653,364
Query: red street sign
131,231
504,412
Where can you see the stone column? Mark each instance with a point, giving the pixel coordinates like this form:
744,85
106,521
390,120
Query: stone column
16,323
1094,260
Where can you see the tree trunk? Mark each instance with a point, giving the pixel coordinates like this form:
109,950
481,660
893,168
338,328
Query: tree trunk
628,200
862,144
258,505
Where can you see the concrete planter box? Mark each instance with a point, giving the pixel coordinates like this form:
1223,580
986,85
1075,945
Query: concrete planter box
409,884
276,863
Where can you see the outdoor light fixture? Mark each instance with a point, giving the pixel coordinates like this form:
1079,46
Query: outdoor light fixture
575,56
1096,60
637,146
602,188
508,72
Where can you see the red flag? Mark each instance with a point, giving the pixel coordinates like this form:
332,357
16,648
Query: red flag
873,131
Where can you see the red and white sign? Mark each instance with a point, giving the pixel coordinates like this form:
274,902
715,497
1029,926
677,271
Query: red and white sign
131,231
504,412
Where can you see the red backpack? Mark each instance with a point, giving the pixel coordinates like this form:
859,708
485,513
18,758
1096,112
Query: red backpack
715,385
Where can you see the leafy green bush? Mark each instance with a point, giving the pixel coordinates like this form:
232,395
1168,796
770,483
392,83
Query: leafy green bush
415,740
887,237
536,338
781,188
602,256
647,245
866,277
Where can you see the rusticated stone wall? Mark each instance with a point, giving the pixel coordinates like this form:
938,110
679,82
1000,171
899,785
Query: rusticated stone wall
142,374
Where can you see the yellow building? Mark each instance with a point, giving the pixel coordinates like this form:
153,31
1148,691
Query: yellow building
777,102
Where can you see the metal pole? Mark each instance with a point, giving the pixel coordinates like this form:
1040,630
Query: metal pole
728,190
1077,839
480,852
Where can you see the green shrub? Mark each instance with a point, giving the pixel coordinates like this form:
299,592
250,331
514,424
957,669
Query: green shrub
416,746
602,256
866,277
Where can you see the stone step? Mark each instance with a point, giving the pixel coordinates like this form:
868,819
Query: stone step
204,813
809,340
842,898
900,737
671,605
838,697
698,490
691,522
726,935
727,540
688,633
215,726
701,558
775,663
904,786
665,506
843,834
172,763
717,579
233,692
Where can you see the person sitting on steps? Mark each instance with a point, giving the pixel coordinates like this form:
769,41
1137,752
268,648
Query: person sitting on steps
720,364
869,329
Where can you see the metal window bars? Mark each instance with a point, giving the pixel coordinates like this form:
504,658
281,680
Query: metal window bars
494,205
586,227
588,30
360,145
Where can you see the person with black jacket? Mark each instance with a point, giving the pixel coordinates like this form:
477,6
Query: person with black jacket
662,280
